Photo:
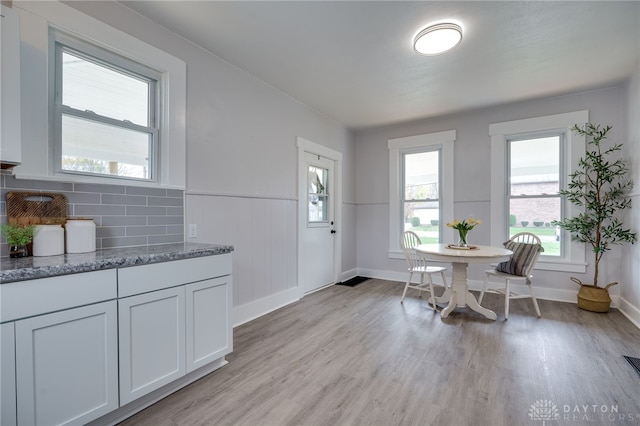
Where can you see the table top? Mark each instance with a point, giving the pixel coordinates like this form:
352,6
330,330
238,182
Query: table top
480,254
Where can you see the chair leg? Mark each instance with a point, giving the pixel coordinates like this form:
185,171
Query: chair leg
535,301
506,300
406,286
433,296
484,288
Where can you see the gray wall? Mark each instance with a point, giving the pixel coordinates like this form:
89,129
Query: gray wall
472,175
241,167
630,282
242,164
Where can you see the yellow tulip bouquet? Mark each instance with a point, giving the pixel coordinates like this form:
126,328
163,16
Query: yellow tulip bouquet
463,227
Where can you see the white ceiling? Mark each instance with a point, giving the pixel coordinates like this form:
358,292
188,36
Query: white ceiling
353,60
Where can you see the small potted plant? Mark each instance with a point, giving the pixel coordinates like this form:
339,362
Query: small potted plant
599,185
17,236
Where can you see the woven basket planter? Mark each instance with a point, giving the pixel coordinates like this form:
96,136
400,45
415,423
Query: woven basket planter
592,298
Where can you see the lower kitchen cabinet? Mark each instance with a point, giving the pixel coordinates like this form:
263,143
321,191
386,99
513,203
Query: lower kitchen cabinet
93,347
7,375
152,341
208,324
67,365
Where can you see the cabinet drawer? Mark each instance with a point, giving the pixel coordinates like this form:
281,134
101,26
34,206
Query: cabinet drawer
36,297
146,278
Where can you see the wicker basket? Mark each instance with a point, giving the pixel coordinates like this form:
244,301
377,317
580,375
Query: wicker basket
592,298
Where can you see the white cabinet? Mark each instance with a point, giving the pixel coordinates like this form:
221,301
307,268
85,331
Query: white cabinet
84,347
209,327
10,151
174,317
152,341
7,375
66,365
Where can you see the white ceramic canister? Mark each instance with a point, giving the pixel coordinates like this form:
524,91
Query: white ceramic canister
48,240
81,235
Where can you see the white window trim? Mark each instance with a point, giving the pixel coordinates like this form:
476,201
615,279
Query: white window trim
36,19
574,260
396,147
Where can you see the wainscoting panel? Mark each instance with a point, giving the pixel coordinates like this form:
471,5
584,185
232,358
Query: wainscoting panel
263,233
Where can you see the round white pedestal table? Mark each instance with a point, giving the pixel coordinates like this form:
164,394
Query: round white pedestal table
459,295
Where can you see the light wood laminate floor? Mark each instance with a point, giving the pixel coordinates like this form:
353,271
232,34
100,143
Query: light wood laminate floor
356,356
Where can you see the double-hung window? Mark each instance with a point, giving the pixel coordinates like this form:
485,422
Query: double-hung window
530,161
106,112
421,187
535,169
421,193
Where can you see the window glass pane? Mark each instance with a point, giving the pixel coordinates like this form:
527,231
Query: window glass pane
423,218
421,173
317,186
89,86
535,215
93,147
421,206
535,166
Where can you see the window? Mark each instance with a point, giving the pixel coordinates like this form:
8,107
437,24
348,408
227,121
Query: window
58,22
421,187
420,194
534,181
530,160
106,112
318,190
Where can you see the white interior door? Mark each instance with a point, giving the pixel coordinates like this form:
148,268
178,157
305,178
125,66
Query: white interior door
318,230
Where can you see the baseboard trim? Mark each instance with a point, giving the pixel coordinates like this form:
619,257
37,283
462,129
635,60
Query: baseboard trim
347,275
250,311
135,406
544,293
629,311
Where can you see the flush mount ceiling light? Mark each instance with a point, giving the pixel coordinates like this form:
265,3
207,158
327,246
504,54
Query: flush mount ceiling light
437,39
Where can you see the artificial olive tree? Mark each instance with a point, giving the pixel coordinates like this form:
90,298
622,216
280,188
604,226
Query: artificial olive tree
599,185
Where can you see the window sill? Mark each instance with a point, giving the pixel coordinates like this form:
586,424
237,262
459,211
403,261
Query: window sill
560,266
74,178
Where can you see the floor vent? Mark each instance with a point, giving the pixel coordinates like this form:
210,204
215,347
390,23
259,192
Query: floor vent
635,363
353,281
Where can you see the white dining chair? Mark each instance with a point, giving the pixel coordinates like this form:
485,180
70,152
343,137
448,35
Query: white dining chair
526,248
418,265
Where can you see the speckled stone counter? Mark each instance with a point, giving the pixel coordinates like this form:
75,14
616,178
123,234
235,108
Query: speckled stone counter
29,268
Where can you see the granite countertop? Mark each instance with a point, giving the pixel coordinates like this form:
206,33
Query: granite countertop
28,268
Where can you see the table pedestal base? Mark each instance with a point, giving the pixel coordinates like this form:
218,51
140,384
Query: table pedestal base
459,296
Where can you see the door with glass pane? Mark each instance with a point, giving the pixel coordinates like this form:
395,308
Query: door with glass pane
317,250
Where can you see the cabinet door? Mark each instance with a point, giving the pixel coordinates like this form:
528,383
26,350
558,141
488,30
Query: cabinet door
7,375
10,152
209,331
152,341
67,365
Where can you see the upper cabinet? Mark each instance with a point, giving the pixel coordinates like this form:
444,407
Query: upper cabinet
10,142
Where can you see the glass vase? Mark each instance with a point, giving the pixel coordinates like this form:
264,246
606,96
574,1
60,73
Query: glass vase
462,238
